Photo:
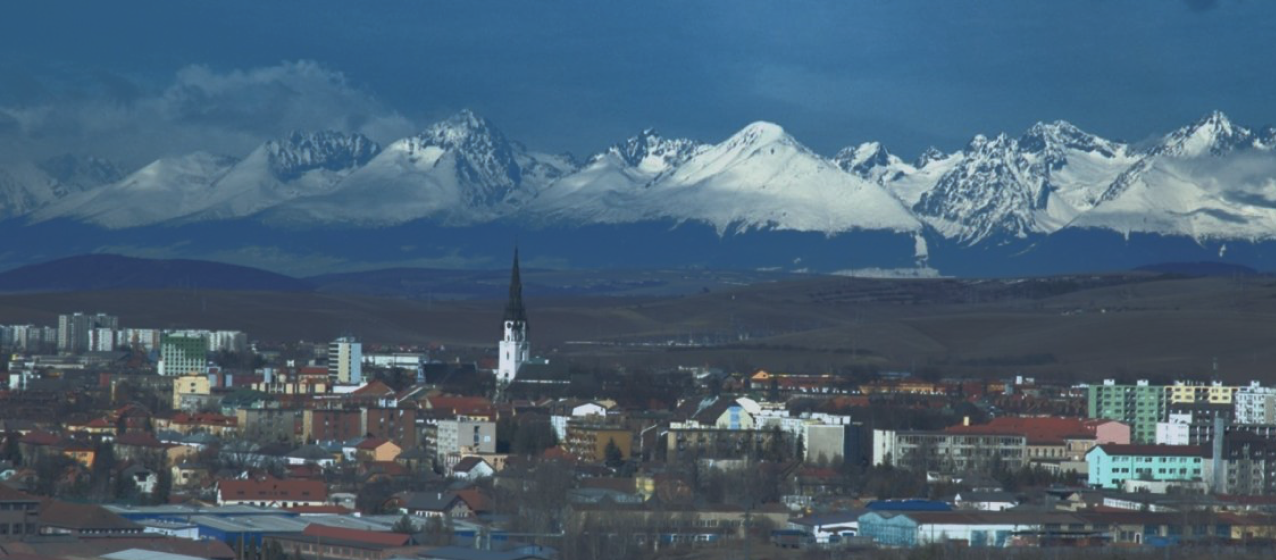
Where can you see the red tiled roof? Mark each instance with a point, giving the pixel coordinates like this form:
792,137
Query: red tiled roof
273,489
1037,429
369,537
371,444
40,438
460,405
474,498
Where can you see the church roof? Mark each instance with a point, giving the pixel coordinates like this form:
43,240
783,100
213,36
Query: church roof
514,310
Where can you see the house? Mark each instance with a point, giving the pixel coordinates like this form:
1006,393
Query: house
142,478
272,492
472,468
376,450
311,454
415,459
145,448
186,474
985,501
435,504
1110,465
565,411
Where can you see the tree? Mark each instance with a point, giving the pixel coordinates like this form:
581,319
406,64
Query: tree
612,454
163,487
103,470
50,470
12,450
404,526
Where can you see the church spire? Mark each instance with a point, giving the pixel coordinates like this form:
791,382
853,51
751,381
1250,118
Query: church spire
514,308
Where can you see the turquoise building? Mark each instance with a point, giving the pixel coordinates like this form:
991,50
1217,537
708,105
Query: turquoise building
1112,464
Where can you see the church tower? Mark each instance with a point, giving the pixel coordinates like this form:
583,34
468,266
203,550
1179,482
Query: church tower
514,348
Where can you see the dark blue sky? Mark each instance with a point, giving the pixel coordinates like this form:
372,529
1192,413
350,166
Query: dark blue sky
135,80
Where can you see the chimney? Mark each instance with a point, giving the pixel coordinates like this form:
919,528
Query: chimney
965,420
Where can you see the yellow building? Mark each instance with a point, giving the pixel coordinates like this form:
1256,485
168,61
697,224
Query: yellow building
185,386
1213,393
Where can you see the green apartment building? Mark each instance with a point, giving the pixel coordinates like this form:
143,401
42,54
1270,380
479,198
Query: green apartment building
1140,405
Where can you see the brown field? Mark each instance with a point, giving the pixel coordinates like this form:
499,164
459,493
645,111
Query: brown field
1076,327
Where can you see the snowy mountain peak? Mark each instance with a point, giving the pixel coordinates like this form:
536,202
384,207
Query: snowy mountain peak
1044,137
1214,134
863,159
931,154
481,153
651,153
71,173
299,153
760,133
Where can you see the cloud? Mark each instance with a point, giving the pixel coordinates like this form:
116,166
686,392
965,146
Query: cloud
227,112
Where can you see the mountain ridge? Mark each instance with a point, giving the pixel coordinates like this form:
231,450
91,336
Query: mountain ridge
1002,190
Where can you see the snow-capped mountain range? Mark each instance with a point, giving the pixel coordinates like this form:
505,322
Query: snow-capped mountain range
1212,179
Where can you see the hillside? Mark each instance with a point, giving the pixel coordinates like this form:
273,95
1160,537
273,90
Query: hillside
115,272
1076,327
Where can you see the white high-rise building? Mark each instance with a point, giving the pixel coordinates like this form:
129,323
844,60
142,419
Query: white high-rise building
514,348
1255,404
345,361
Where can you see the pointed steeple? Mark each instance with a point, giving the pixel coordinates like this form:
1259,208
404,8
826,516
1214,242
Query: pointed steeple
514,308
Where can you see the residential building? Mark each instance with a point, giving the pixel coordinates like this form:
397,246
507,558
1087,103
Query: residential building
1058,444
1255,404
190,392
1110,465
463,436
73,330
183,355
345,361
588,441
1140,406
268,424
950,453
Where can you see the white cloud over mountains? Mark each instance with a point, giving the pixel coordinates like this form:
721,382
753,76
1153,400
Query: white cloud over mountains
201,108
